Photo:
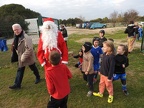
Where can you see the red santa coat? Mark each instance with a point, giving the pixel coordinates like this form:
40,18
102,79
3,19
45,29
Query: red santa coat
44,54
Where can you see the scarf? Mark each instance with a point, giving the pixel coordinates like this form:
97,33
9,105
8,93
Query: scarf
17,39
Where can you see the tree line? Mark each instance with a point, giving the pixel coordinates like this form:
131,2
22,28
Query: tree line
115,17
15,13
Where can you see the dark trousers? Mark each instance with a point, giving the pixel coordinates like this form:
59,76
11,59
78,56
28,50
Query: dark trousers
95,75
89,79
66,44
57,103
20,73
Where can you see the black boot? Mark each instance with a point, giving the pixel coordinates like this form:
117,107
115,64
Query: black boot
37,80
14,87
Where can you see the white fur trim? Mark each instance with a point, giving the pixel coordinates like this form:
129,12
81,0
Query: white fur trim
43,64
66,38
51,24
59,50
64,62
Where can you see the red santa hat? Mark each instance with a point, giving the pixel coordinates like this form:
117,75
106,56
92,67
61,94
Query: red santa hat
48,19
48,22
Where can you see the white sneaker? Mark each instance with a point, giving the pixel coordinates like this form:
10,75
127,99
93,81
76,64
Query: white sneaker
89,93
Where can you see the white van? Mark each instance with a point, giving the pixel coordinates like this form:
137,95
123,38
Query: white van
142,23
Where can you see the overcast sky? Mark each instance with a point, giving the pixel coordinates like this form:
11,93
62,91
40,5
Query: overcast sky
89,9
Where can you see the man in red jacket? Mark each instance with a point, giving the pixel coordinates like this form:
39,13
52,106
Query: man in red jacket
51,39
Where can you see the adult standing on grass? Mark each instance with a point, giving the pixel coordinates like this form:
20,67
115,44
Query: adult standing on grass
51,39
23,53
64,33
57,81
140,32
131,30
136,27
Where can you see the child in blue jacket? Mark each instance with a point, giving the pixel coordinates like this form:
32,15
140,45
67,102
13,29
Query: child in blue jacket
97,54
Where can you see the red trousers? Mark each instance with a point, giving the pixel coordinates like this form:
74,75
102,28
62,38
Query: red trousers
104,83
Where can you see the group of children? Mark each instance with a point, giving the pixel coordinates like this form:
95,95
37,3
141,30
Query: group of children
99,57
102,57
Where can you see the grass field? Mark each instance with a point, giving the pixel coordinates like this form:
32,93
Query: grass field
35,95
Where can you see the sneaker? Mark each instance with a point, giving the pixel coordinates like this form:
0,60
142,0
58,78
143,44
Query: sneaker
89,93
14,87
126,92
110,99
97,94
87,84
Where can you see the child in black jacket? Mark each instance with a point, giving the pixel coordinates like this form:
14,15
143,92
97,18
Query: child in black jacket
121,62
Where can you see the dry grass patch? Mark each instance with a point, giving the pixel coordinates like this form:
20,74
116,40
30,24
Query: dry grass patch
73,30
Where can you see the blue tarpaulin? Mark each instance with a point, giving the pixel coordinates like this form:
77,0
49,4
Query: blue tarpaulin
3,45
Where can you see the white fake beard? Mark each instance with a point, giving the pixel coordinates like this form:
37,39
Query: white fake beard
49,38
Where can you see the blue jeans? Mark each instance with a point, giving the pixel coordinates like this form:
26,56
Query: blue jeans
20,73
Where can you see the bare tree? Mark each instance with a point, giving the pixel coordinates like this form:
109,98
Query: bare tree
130,15
82,18
113,17
120,17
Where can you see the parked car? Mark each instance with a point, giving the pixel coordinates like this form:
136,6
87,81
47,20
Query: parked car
142,23
97,25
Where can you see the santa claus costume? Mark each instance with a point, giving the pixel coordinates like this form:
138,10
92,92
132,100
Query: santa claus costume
51,39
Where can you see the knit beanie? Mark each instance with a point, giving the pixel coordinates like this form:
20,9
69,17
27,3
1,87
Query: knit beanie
87,46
